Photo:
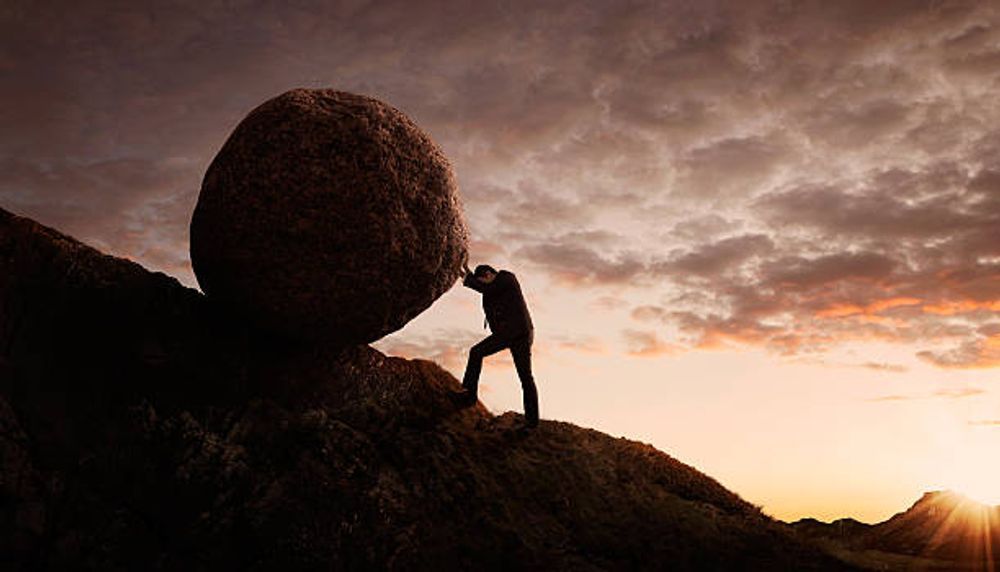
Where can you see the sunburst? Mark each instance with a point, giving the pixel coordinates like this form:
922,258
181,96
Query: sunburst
965,530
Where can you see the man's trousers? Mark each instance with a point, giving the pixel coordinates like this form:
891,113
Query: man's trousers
520,349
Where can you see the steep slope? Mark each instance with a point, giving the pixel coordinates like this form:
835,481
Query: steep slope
142,429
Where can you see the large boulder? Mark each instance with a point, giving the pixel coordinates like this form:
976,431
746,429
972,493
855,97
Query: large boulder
328,216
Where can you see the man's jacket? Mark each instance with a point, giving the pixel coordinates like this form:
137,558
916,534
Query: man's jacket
506,311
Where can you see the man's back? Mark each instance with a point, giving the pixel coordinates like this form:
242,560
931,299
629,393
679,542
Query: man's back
504,305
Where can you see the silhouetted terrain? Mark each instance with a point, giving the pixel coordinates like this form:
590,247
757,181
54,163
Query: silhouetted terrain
942,531
141,429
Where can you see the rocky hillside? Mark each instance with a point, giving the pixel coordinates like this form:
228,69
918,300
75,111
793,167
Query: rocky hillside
142,428
943,530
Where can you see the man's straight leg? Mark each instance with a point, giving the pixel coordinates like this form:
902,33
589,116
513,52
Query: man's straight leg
488,346
521,350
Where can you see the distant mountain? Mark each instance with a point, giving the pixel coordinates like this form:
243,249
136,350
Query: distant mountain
943,529
941,524
844,529
143,429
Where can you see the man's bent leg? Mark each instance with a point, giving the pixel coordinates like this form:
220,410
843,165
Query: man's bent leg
521,350
488,346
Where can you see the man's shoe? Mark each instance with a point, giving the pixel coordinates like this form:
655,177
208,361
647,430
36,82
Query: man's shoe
527,425
464,398
523,429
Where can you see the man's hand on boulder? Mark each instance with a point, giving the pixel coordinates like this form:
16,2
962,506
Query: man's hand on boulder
465,264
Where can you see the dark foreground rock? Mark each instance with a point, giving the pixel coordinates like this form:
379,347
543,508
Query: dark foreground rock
141,431
328,215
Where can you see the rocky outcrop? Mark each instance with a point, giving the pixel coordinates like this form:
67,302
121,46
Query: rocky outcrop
328,216
141,430
943,530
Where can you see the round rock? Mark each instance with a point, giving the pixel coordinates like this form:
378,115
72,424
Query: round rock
328,216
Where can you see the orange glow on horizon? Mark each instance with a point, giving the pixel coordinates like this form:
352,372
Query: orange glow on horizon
960,307
844,310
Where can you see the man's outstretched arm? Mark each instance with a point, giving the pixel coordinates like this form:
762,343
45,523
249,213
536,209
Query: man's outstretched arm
476,284
502,281
470,280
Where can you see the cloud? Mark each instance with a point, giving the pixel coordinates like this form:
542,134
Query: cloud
893,204
891,398
887,367
609,303
903,255
447,347
730,165
485,250
986,423
959,392
704,227
802,273
947,393
712,259
869,123
575,264
793,176
541,211
644,343
978,353
133,208
584,344
648,313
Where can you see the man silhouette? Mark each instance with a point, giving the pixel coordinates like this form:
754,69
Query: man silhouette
510,324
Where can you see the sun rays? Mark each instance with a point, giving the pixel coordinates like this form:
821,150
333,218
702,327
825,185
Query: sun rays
965,530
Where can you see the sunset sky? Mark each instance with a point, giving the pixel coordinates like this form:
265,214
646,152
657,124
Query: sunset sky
762,236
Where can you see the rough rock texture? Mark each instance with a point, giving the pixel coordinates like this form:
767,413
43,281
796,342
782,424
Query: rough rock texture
328,215
140,431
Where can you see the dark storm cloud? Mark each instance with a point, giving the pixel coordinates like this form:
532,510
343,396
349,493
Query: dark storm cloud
591,259
892,246
112,111
920,267
539,211
796,303
573,262
730,165
799,273
870,123
133,207
942,201
714,258
786,174
95,82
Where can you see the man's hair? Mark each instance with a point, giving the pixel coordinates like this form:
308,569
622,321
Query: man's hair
483,269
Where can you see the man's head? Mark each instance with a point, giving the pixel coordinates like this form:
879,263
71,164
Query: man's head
486,273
